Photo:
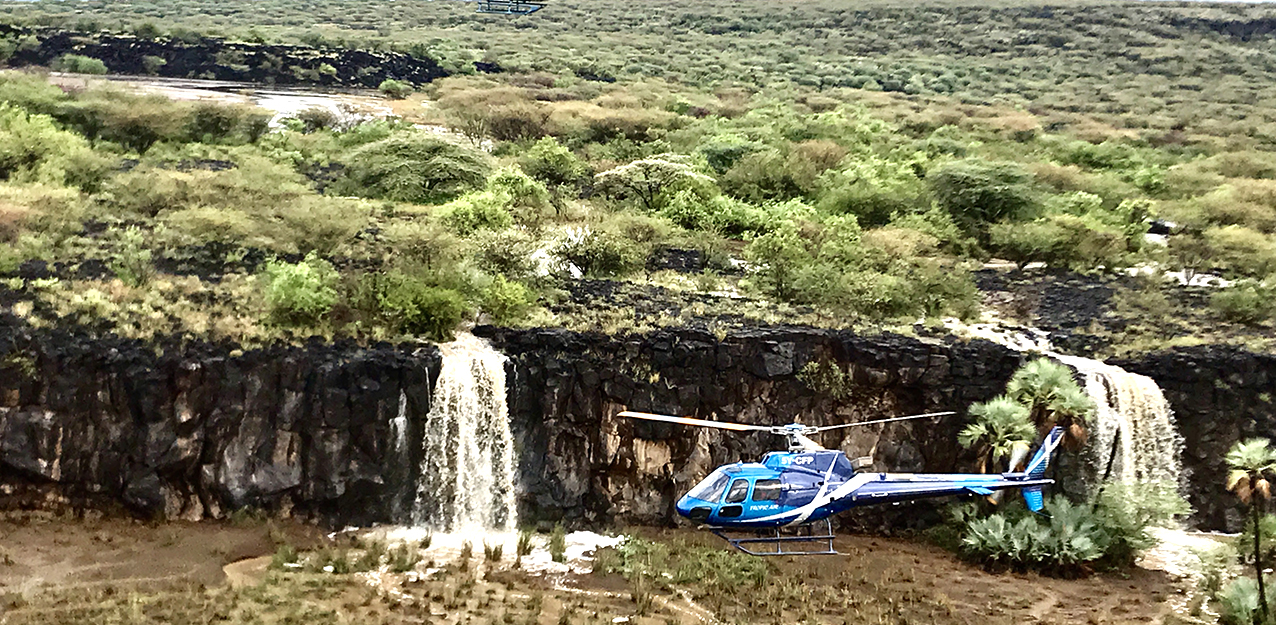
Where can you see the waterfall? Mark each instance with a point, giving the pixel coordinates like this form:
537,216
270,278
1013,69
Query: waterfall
467,466
1134,416
1131,412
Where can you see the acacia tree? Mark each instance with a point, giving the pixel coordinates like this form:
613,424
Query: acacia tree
649,180
1001,430
1053,398
1251,463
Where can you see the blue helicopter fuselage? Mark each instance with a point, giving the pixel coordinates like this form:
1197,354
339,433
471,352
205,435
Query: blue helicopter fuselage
793,488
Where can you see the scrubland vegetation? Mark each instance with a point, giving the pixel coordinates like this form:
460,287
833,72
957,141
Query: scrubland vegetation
812,193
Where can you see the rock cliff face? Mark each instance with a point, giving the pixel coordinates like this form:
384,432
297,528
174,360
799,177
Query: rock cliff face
203,430
215,59
1220,395
578,461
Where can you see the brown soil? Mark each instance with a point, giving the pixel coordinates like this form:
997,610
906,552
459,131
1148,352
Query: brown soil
113,570
47,551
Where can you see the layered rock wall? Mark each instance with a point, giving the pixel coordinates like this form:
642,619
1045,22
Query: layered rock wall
580,462
203,430
1220,395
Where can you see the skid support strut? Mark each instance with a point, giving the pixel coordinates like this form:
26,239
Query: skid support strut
781,544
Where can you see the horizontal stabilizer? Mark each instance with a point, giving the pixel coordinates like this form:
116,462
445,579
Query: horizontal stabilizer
979,490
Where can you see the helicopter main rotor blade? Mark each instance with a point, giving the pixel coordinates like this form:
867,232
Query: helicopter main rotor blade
874,422
738,427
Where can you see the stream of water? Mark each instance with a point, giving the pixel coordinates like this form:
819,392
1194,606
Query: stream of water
467,471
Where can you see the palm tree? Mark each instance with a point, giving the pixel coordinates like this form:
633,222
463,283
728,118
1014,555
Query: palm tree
1252,462
1053,398
1001,429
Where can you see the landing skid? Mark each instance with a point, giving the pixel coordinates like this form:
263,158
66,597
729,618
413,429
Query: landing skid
778,541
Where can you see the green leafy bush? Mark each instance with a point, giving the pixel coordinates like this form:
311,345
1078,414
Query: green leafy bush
419,308
300,294
1245,542
412,167
648,182
132,261
551,163
1246,301
506,301
78,64
529,200
34,149
395,89
482,210
1060,240
598,253
1071,538
977,192
1239,601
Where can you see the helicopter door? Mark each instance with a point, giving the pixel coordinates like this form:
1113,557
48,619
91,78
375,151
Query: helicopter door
731,505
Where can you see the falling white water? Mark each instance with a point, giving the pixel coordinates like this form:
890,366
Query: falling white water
1130,410
1133,413
467,466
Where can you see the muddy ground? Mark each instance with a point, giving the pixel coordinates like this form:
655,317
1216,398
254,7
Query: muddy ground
59,570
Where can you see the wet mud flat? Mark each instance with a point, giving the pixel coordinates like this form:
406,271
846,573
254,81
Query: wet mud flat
66,570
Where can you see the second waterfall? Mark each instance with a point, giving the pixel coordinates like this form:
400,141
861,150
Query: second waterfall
467,466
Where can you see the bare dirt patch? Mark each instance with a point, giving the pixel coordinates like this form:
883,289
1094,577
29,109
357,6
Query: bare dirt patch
47,551
111,570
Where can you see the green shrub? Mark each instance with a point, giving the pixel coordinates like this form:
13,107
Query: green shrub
300,294
131,263
1060,240
553,164
777,258
1245,542
530,203
648,182
1072,538
1241,251
598,253
78,64
1239,601
412,167
506,301
978,192
873,190
418,308
1246,301
395,89
558,543
34,149
482,210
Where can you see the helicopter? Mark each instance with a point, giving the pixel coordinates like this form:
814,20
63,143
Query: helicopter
808,484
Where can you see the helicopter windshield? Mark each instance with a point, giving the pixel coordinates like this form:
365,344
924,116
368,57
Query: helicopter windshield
710,489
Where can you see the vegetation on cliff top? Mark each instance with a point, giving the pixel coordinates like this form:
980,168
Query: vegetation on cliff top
833,201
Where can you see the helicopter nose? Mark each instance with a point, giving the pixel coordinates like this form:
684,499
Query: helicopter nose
695,509
684,506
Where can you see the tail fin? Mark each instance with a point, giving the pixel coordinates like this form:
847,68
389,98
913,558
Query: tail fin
1033,495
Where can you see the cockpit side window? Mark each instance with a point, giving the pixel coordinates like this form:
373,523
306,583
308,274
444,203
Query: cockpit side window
766,490
710,489
739,490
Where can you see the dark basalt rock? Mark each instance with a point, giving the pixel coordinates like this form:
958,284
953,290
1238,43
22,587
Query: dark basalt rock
1220,395
216,59
198,429
581,463
202,430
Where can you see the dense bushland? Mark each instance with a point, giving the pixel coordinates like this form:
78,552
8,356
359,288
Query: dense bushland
835,199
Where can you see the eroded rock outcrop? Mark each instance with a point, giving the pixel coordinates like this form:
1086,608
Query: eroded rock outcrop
202,430
579,462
